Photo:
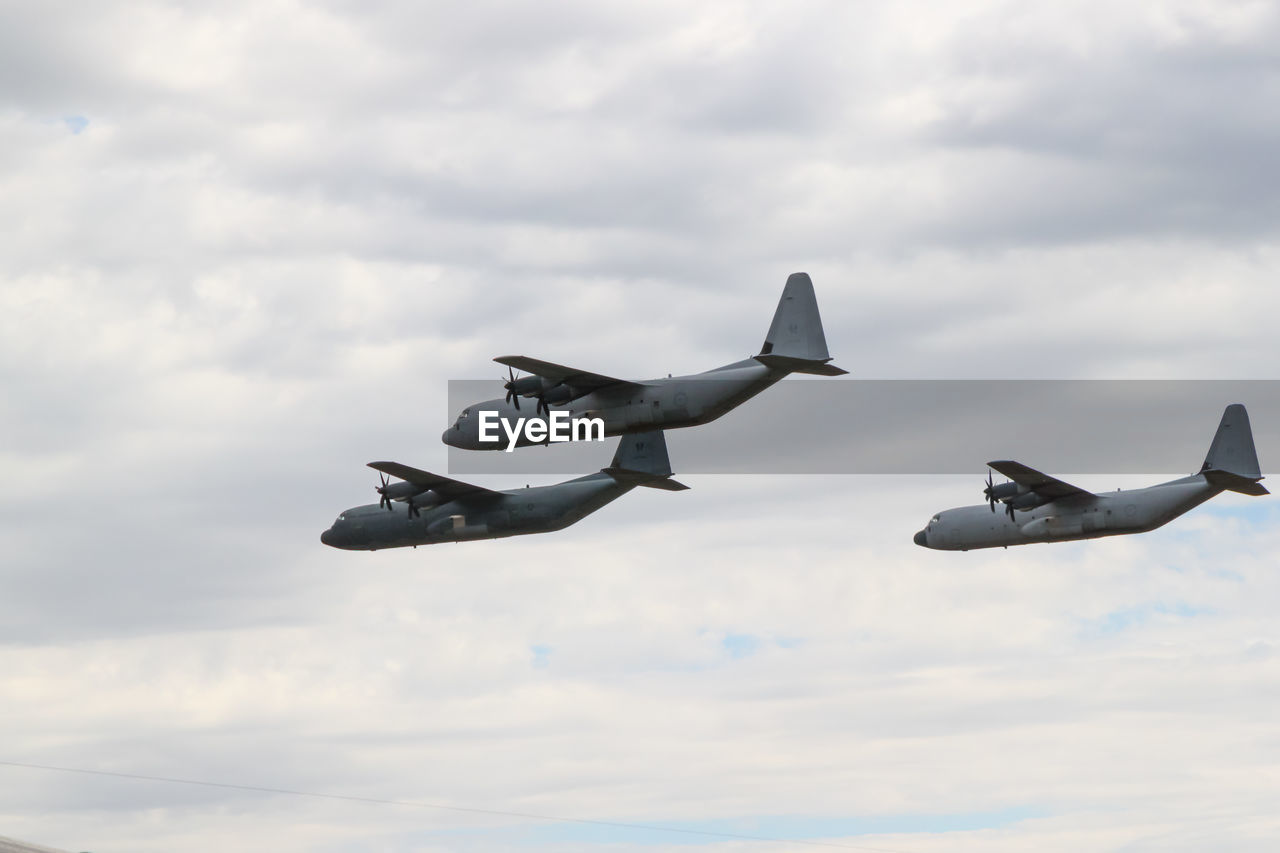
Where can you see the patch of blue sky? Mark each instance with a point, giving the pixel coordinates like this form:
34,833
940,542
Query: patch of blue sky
1224,574
1118,621
1209,570
771,827
76,124
740,645
1257,511
727,648
1238,522
541,655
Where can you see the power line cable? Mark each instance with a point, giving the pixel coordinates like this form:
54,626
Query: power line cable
262,789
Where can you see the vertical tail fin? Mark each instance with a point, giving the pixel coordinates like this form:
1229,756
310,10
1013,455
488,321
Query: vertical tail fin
641,460
795,340
1232,462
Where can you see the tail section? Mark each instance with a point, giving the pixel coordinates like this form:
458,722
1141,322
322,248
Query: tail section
641,460
795,341
1232,462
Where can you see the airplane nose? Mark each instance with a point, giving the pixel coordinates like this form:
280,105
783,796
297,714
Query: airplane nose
446,436
921,539
326,538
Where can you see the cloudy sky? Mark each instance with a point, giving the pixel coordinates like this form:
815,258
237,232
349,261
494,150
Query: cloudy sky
247,245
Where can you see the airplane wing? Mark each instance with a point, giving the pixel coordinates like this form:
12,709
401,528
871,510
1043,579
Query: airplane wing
1041,484
443,486
581,380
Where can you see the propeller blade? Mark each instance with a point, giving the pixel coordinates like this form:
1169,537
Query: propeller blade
384,501
512,396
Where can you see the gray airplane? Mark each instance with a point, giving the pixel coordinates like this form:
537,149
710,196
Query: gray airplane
426,508
1039,508
795,343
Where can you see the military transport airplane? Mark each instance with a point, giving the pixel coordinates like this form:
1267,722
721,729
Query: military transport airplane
1039,508
427,508
795,343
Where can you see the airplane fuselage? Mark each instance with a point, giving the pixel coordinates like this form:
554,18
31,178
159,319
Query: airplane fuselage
1077,517
539,509
671,403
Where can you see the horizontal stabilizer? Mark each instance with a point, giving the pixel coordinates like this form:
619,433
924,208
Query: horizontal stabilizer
801,365
637,478
1235,483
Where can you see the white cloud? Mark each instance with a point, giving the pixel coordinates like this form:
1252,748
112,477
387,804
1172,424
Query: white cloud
284,227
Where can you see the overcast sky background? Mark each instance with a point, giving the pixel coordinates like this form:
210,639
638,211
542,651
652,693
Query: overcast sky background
246,249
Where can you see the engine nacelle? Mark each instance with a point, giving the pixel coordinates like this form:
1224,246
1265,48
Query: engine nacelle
424,499
526,386
1029,500
557,394
401,491
1004,491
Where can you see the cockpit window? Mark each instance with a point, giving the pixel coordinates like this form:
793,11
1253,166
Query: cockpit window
342,517
466,413
934,520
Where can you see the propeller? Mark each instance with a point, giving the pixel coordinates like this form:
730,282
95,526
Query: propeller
403,492
510,386
384,501
543,408
989,492
1009,509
